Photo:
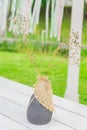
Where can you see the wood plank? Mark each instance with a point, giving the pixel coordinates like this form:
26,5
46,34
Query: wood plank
14,96
7,88
15,85
7,124
73,107
18,113
65,117
71,117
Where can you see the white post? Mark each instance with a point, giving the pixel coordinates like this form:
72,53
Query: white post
5,10
35,15
47,17
1,7
13,10
52,15
57,9
60,17
73,69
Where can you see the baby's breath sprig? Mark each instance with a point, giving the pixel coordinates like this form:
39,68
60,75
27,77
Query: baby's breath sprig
74,46
20,25
32,58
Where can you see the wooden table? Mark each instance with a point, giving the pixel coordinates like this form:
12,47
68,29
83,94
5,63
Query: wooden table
14,98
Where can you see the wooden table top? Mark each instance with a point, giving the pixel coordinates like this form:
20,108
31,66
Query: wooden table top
14,99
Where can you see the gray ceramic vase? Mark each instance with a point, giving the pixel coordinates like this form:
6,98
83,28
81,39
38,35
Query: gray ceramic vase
37,113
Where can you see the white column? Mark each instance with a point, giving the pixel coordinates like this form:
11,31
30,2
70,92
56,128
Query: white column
52,17
57,9
73,68
60,17
1,7
35,15
5,10
47,17
13,10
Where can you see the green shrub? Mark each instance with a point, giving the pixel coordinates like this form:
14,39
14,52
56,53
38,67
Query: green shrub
5,46
36,47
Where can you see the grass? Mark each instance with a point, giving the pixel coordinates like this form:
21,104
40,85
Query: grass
17,67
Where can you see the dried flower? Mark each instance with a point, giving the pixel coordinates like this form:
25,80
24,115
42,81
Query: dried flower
20,25
74,47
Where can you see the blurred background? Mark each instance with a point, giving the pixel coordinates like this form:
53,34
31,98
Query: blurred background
30,31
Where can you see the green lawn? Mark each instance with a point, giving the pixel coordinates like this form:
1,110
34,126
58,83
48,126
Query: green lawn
18,67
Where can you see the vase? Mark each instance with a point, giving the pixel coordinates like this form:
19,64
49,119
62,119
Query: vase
40,108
